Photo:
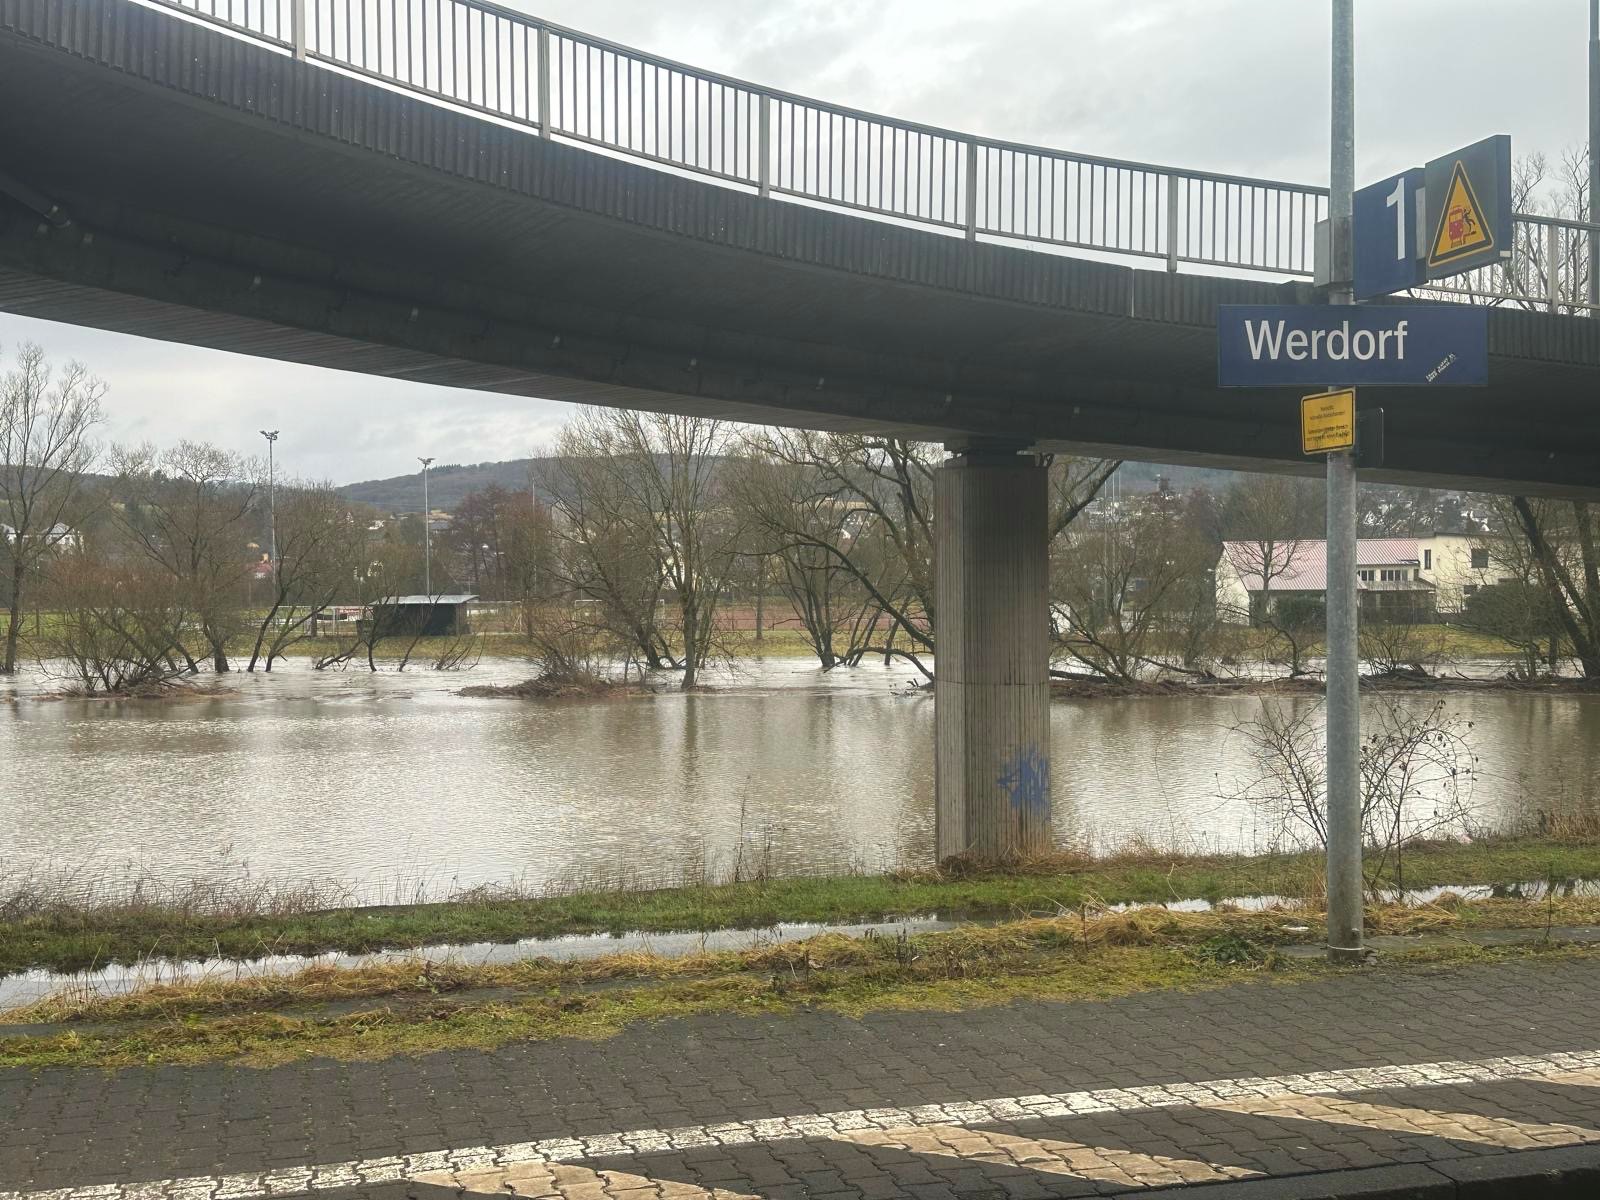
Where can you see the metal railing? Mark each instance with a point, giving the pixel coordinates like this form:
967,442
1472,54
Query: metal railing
560,83
1548,269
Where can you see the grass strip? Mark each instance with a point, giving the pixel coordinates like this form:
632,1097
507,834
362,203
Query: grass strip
963,969
64,935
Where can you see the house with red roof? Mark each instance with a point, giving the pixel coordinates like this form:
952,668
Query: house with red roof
1253,577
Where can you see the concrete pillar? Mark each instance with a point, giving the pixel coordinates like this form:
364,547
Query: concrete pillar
992,656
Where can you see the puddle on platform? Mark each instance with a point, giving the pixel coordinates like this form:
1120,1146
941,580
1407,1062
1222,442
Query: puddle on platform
30,986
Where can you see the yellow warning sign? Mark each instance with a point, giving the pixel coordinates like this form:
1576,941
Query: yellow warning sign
1462,228
1328,422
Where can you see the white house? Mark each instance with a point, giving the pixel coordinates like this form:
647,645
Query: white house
62,536
1437,573
1459,564
1252,576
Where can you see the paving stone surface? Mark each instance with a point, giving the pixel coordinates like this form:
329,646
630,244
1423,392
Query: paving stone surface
1029,1100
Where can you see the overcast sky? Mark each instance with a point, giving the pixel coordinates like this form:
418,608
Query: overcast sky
1227,85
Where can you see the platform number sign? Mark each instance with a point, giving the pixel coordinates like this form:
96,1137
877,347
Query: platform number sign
1388,244
1450,216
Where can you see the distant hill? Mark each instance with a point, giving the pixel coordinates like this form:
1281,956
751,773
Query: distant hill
449,484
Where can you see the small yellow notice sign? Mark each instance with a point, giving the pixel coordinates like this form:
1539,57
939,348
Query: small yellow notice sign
1328,422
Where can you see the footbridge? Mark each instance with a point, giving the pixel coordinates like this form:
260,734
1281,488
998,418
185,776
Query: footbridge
456,193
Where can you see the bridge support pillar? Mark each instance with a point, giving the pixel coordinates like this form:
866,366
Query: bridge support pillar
992,693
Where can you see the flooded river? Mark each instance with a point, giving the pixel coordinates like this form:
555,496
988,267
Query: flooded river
391,784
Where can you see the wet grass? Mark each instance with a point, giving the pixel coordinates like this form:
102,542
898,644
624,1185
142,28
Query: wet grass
962,952
1222,936
74,931
408,1010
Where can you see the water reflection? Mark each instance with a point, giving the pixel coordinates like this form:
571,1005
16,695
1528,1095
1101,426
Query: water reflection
370,780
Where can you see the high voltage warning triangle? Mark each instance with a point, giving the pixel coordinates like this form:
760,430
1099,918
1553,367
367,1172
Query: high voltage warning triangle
1462,229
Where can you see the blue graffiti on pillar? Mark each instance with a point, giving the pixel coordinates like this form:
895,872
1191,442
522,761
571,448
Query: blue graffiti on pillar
1026,780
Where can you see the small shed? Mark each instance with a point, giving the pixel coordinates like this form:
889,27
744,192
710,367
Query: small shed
429,616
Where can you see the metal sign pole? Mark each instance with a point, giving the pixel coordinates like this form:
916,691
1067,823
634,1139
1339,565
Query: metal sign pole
1594,152
1343,670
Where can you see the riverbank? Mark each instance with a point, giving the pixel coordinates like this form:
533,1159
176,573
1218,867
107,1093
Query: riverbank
45,928
424,1005
1083,687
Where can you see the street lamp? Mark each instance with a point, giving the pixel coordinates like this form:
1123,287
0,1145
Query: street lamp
272,503
427,533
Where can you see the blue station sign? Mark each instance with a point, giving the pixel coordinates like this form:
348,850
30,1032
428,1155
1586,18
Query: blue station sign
1283,345
1387,223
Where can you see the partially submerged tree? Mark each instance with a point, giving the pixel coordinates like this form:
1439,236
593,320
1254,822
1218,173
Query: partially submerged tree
642,491
1524,616
605,560
319,544
47,419
1128,588
117,627
1562,540
855,514
805,540
189,509
1298,622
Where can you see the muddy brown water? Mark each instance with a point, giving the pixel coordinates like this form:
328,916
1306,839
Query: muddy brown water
391,785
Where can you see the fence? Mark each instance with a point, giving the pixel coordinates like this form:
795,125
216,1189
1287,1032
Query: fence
560,83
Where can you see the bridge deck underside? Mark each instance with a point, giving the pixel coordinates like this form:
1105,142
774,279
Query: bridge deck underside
224,195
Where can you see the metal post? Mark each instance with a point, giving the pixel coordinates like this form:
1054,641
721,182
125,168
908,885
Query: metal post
544,81
1172,223
427,533
272,504
1552,256
972,191
1344,669
297,27
764,142
1594,153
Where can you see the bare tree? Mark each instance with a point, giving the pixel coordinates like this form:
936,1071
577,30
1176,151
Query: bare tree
188,510
528,554
1125,587
1561,539
651,480
803,535
1510,598
605,560
46,453
1399,644
118,626
1418,767
319,544
1267,519
1523,616
861,507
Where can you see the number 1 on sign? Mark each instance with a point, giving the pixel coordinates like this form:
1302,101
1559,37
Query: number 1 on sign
1397,201
1385,222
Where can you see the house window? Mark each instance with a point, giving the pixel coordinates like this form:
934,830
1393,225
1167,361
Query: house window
1392,575
1365,576
1480,558
1427,560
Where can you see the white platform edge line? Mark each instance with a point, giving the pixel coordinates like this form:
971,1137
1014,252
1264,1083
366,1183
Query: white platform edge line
329,1176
